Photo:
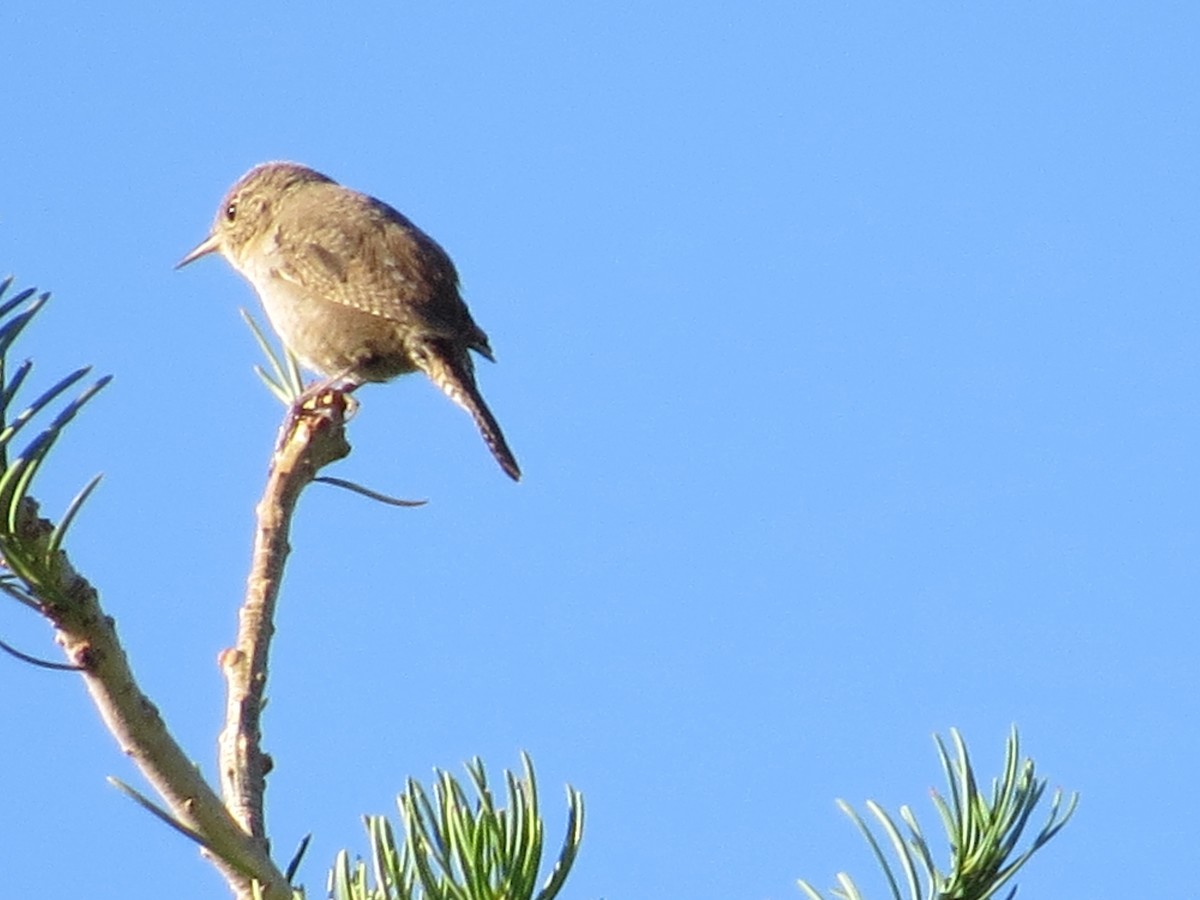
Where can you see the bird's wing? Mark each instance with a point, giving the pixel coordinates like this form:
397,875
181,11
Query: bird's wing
379,263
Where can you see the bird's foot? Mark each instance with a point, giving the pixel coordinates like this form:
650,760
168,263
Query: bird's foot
322,400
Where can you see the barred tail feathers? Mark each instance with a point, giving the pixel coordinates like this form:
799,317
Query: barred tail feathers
453,372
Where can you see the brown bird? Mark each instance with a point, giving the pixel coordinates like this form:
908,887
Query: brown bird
354,289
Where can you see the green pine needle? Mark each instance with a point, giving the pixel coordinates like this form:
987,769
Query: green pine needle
30,554
982,833
456,848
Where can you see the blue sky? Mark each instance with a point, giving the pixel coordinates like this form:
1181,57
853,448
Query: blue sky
849,352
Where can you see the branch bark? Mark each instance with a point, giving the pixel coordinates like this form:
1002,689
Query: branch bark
89,638
312,437
232,831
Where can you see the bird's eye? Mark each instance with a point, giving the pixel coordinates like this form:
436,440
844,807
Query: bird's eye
231,212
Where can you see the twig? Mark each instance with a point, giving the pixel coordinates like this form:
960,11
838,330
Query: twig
313,436
89,638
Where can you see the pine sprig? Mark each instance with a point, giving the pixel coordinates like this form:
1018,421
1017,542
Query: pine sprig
459,849
983,832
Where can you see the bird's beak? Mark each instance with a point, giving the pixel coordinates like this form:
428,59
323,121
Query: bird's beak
209,245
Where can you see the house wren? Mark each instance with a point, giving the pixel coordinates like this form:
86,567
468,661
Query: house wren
354,289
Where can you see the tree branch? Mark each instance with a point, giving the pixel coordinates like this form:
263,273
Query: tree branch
312,436
89,638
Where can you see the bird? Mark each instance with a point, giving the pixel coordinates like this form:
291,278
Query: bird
355,290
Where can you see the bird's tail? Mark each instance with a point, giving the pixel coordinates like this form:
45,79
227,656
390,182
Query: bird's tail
451,370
